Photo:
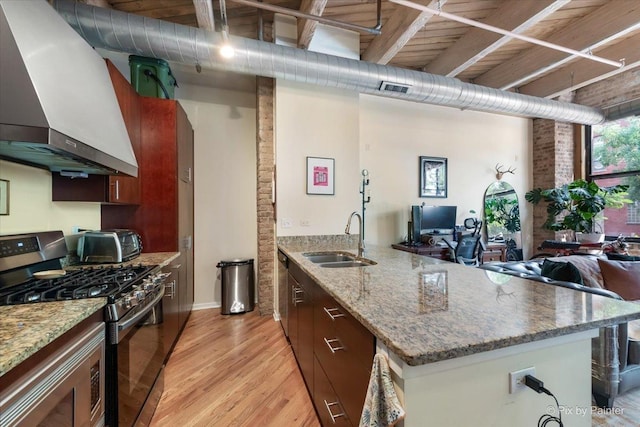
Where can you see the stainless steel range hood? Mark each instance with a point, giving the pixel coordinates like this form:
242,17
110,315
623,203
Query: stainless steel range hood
58,108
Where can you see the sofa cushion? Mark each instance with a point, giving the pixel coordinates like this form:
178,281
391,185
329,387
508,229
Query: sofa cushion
621,257
588,267
558,270
621,277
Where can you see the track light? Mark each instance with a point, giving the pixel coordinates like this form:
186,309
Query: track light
226,50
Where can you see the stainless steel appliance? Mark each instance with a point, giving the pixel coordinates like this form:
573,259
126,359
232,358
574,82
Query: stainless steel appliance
283,286
109,246
58,108
134,354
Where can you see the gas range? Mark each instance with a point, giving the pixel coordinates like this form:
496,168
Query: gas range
22,257
135,347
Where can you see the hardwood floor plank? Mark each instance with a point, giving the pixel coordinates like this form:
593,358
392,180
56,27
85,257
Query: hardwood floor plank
233,371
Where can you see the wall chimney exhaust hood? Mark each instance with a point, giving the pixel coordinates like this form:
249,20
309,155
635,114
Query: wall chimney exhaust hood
58,108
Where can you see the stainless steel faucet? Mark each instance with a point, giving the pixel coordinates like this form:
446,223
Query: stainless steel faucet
360,240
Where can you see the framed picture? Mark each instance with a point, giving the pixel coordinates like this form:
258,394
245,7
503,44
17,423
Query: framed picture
4,197
320,176
433,177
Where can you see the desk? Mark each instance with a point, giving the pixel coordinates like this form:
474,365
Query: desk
439,252
495,252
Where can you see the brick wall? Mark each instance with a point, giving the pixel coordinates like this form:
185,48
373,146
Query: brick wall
553,142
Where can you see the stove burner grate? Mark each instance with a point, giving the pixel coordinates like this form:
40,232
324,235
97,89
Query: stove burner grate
89,282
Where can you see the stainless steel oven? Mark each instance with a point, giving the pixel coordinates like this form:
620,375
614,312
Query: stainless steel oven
135,350
30,272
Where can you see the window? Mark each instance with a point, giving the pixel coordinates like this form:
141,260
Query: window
613,151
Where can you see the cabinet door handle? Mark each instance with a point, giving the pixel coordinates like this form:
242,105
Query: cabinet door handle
294,295
175,266
333,316
171,287
117,190
331,347
331,414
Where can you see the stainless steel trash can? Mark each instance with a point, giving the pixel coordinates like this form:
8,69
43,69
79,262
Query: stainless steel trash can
238,286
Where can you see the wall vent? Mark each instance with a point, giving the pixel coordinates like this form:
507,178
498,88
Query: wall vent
394,87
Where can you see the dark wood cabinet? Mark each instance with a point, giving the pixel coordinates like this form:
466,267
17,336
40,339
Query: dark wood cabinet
121,189
164,216
345,350
326,401
302,322
334,351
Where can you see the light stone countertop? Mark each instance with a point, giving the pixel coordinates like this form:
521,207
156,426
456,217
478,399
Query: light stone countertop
27,328
426,310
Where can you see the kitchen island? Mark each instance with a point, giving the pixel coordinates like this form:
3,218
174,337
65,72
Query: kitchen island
454,333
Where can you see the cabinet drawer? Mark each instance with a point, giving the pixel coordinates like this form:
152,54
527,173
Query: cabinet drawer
329,408
344,349
334,322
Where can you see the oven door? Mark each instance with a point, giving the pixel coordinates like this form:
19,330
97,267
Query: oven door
137,356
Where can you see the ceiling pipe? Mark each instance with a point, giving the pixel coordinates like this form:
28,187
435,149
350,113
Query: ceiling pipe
138,35
493,29
346,25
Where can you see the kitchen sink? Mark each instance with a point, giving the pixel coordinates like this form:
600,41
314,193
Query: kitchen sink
322,257
360,262
337,259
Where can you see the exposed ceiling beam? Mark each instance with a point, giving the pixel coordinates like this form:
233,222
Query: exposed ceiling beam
307,27
609,19
401,26
583,72
204,14
597,46
478,43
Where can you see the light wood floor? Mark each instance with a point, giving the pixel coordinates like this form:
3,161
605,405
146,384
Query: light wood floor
233,371
239,371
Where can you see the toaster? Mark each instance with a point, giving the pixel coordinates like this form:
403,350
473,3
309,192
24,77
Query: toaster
109,246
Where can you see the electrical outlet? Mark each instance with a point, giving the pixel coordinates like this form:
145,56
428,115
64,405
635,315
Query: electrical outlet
305,223
516,379
285,222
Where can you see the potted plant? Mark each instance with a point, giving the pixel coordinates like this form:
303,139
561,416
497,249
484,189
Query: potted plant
578,206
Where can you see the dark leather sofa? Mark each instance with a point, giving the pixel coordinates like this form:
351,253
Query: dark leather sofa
615,358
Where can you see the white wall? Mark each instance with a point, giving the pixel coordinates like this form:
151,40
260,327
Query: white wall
315,122
224,182
387,137
31,208
394,133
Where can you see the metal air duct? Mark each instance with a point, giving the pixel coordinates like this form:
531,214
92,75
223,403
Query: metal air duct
134,34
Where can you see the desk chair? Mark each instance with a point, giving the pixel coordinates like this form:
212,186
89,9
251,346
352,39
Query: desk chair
467,250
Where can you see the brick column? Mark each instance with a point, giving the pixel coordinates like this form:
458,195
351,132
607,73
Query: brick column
265,209
553,165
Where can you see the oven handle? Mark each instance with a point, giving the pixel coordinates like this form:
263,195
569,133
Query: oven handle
129,323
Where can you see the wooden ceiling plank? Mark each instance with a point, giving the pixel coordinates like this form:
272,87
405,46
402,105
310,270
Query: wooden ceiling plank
204,14
98,3
612,18
583,72
307,27
477,43
401,26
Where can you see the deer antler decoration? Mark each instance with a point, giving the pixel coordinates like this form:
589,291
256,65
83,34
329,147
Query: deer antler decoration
500,171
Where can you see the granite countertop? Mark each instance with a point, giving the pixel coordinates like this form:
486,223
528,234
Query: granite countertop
26,328
426,310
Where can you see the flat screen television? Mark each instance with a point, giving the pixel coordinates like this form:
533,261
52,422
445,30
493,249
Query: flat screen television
438,219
